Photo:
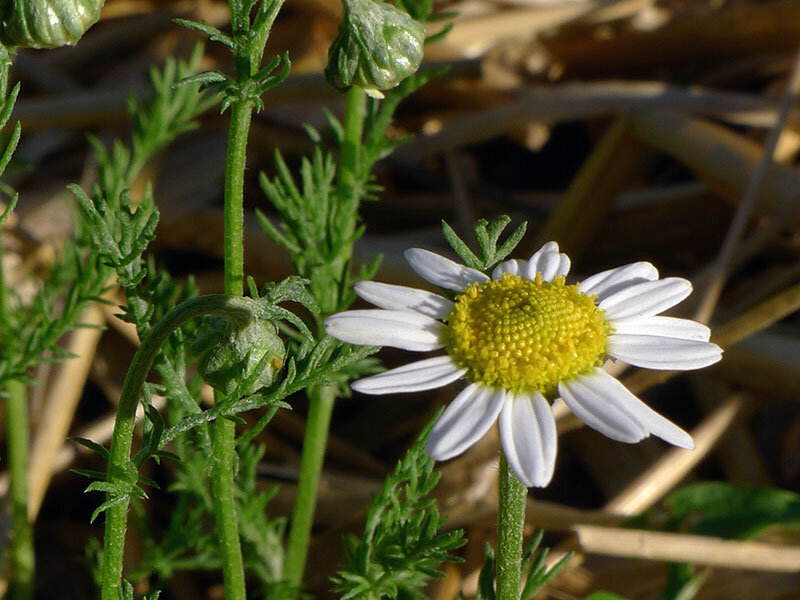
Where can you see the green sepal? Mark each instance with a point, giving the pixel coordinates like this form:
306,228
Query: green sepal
377,47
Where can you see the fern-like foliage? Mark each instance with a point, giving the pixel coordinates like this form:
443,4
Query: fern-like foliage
402,545
74,280
167,112
30,327
487,235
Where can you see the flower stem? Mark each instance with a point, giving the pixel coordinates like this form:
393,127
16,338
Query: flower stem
119,461
316,438
224,431
510,523
349,166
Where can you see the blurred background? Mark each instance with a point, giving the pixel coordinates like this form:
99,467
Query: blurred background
626,130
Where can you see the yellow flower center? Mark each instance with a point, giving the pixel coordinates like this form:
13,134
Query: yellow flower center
515,333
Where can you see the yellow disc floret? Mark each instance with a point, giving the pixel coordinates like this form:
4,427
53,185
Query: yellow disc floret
520,334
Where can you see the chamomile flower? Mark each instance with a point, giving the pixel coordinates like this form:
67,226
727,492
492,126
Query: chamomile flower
522,338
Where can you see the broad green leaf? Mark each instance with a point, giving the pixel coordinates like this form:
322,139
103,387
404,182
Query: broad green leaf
731,511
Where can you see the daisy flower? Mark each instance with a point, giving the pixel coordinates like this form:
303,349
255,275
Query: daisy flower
522,338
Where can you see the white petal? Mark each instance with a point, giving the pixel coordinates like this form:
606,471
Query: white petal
547,247
400,297
549,262
663,326
442,271
605,283
395,328
655,352
608,387
646,298
514,267
529,439
464,422
601,410
421,375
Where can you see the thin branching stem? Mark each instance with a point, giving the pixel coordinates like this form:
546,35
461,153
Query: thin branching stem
119,462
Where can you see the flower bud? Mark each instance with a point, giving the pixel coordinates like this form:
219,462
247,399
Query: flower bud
47,23
228,353
377,47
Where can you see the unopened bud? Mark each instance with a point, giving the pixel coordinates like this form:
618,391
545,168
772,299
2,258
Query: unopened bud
229,353
377,47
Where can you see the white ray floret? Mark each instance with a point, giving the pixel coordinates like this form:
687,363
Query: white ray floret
646,298
425,374
512,267
442,271
529,439
396,328
549,262
663,326
399,297
590,397
465,420
605,283
655,352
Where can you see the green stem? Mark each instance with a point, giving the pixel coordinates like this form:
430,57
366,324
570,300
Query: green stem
119,462
222,487
349,164
234,197
321,399
22,554
224,431
314,442
510,523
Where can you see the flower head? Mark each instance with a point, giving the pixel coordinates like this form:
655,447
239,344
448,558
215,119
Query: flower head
522,338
